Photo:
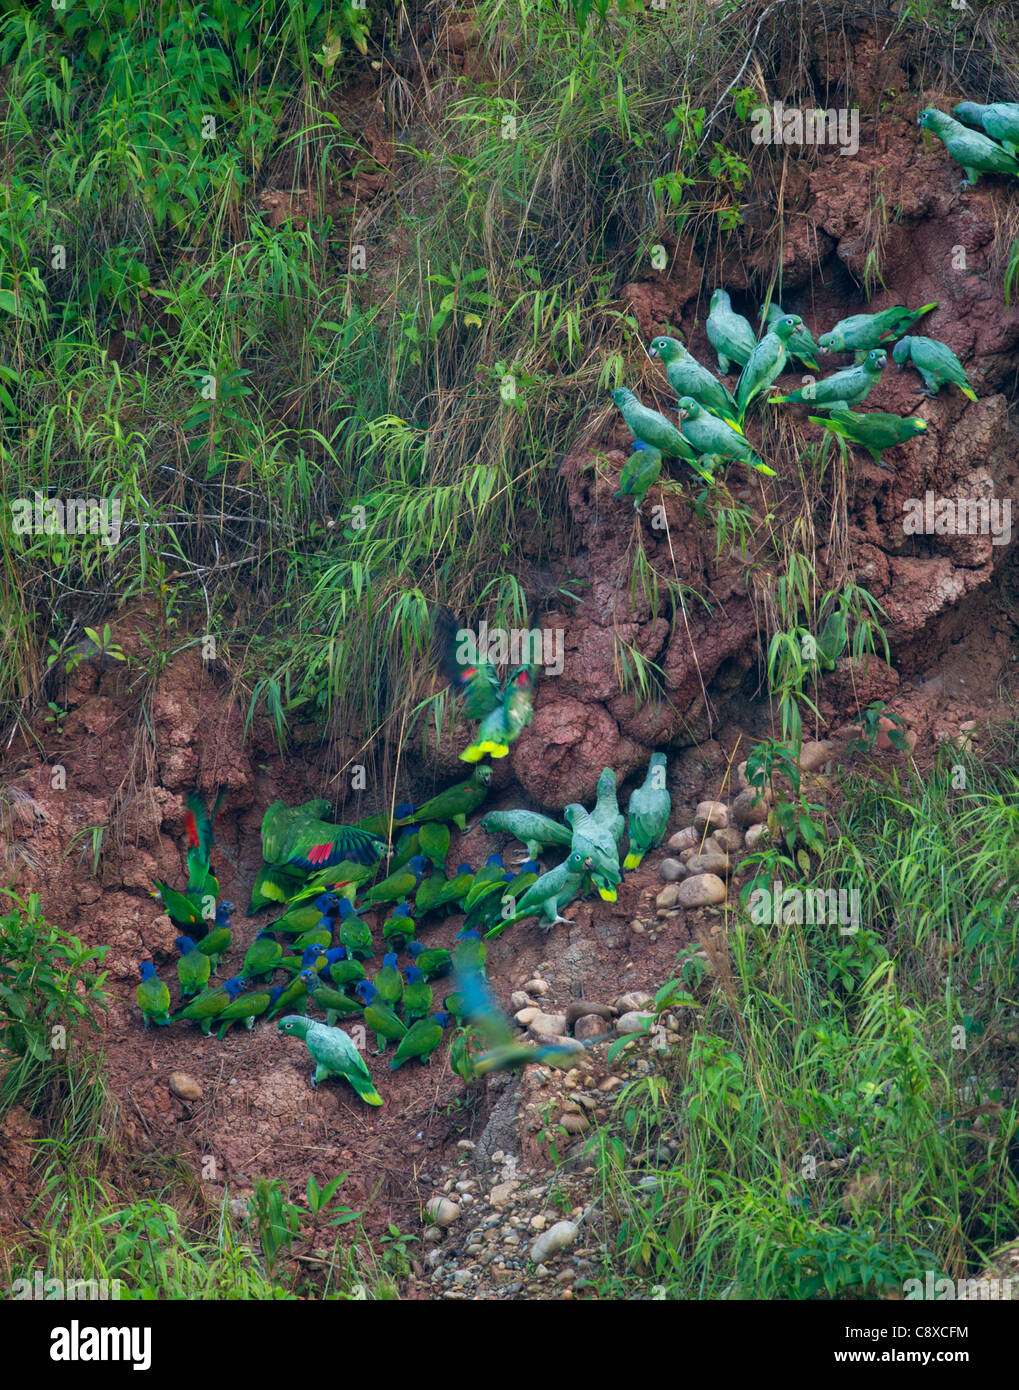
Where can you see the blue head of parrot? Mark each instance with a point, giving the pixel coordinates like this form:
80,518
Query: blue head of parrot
346,908
441,1018
404,809
508,878
414,948
468,936
325,902
148,970
184,944
401,910
412,974
417,864
389,959
464,869
493,860
365,991
310,956
234,986
335,953
310,979
223,914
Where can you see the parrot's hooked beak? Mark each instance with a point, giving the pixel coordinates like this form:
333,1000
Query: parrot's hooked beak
683,414
652,352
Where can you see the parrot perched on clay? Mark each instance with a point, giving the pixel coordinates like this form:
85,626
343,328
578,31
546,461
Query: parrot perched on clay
211,1002
320,936
340,969
399,927
874,432
354,934
975,152
606,808
216,942
800,344
486,911
407,845
299,839
648,813
397,886
303,916
842,389
381,824
432,961
430,891
421,1040
688,378
862,332
936,363
153,996
388,981
535,830
293,995
434,842
652,428
379,1017
262,957
709,435
457,803
485,880
640,473
596,842
333,1002
417,995
244,1009
453,893
549,895
334,1054
765,363
193,969
729,333
999,120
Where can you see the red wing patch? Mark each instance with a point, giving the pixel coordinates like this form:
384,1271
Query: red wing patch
192,828
319,854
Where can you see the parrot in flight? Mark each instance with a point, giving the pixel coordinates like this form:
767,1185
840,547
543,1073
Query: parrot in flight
297,839
975,152
648,813
334,1054
199,823
936,363
503,711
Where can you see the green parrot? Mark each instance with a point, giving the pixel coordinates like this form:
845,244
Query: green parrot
334,1054
153,996
456,1005
274,886
842,389
405,849
596,842
333,1002
216,942
688,378
469,952
455,891
421,1040
181,911
262,957
729,333
432,961
975,152
397,886
486,881
434,842
713,436
936,363
999,120
606,809
388,981
343,880
193,969
417,995
211,1002
640,473
457,803
340,969
430,890
766,362
379,1017
861,332
500,903
355,935
321,936
800,346
246,1007
301,917
652,428
294,995
382,824
460,1054
549,895
505,1053
874,432
649,810
299,839
200,822
535,830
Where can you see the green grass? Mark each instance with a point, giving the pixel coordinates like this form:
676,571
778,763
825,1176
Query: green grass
840,1114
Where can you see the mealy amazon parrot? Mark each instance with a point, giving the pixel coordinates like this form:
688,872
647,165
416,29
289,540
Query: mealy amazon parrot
709,435
800,345
535,830
549,895
596,842
729,333
688,378
606,809
977,153
648,813
153,996
874,432
766,362
936,363
652,428
842,389
998,119
862,332
334,1054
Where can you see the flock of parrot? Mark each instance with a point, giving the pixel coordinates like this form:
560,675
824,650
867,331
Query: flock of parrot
325,876
984,139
